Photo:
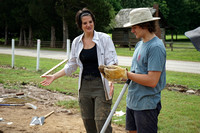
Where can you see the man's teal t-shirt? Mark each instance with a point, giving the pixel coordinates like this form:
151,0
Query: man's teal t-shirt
148,56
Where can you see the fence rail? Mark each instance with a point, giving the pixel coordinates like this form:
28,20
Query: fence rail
179,45
171,45
58,44
168,44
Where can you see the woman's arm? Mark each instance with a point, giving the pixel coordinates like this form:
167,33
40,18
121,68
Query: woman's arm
50,78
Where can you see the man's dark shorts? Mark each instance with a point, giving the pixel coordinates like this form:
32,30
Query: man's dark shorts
142,121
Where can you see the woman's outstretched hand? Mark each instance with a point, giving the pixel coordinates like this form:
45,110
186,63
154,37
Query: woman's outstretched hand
49,79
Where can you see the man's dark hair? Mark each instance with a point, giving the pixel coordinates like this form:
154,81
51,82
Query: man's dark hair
80,14
148,25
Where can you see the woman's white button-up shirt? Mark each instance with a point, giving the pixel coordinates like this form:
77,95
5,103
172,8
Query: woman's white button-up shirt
106,55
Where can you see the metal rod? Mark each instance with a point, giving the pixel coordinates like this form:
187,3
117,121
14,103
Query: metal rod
12,104
115,106
59,64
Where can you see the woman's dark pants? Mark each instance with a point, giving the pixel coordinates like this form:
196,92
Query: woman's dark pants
93,105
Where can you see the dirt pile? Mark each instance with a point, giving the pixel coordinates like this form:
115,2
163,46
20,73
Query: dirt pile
16,119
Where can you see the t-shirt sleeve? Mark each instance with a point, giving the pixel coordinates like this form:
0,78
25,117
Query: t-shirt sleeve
156,59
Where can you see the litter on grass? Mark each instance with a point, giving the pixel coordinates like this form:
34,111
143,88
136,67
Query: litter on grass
119,113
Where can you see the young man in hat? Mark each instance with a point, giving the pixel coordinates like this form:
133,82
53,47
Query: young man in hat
149,77
148,63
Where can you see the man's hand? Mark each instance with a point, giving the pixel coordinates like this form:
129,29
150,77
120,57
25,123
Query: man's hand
113,72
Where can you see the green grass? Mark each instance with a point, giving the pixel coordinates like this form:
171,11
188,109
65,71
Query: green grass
26,68
2,40
179,37
69,104
172,103
180,112
124,51
182,54
184,51
188,79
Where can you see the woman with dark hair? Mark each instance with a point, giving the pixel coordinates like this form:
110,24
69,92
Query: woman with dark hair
90,50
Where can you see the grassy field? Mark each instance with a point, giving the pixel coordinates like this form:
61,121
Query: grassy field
180,112
184,51
180,52
179,37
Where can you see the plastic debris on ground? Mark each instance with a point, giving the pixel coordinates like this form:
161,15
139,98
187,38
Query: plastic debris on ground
119,113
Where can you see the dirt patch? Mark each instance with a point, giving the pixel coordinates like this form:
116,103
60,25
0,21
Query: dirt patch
182,89
16,119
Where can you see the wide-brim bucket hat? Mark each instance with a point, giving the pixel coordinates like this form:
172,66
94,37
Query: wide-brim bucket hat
140,15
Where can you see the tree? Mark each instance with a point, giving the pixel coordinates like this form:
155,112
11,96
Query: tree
163,7
193,14
116,5
49,16
22,17
65,9
103,11
177,14
6,19
136,3
44,13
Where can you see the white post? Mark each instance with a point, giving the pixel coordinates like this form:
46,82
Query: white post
68,48
13,52
38,54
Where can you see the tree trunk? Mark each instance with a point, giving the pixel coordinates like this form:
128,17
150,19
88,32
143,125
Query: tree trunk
53,37
20,37
25,42
30,38
158,31
6,35
65,33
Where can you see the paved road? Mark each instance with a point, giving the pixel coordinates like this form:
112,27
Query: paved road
171,65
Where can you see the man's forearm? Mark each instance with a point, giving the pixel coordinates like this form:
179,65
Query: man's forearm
151,79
